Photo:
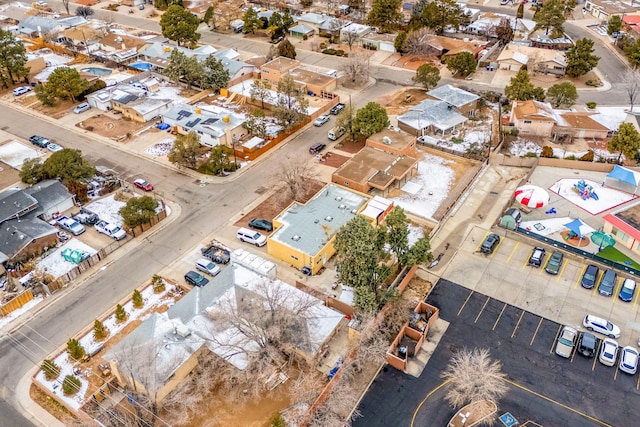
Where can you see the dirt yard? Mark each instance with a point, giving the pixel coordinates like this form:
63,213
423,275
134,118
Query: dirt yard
276,203
401,100
8,175
350,146
110,126
56,111
334,160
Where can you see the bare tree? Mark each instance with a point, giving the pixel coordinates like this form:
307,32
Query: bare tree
295,176
473,376
357,67
349,38
631,82
65,3
106,19
260,90
420,42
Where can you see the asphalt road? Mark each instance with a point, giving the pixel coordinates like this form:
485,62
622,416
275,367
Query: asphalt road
543,388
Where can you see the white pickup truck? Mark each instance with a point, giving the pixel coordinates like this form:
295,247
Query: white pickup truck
71,225
111,230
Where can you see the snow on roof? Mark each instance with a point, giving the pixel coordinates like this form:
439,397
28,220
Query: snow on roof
453,95
313,18
14,153
429,112
301,28
376,206
610,117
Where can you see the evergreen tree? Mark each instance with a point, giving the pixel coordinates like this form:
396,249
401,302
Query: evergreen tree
370,119
51,370
399,42
186,150
70,385
260,90
65,83
580,58
562,94
180,25
158,284
551,17
286,49
440,14
427,75
137,299
75,349
385,14
463,63
13,59
208,15
99,330
520,11
216,76
520,88
626,141
138,211
614,25
632,51
121,314
250,19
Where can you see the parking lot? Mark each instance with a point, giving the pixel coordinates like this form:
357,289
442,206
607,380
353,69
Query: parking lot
544,389
506,276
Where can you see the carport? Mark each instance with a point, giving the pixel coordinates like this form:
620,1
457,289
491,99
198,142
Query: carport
624,179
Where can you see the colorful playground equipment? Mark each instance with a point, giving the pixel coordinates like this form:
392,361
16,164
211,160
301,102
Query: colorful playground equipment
585,190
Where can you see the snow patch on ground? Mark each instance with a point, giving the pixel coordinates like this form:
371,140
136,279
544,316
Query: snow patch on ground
67,366
5,320
14,153
161,148
435,179
56,265
166,91
521,147
415,233
607,197
108,209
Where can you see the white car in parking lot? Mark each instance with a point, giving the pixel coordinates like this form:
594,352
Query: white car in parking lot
629,360
609,352
566,342
601,326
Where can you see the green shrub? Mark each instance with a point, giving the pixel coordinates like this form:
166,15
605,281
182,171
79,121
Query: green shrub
323,45
158,284
100,332
121,313
329,51
456,140
277,421
547,151
590,83
591,105
137,299
571,157
70,385
51,370
531,154
515,132
75,349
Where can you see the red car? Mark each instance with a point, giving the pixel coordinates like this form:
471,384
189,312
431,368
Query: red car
142,184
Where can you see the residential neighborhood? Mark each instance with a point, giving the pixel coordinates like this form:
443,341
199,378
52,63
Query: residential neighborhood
319,213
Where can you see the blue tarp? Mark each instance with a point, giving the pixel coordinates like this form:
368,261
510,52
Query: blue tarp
624,174
163,126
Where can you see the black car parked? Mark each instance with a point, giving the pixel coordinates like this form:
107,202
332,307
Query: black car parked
590,276
317,147
261,224
588,344
337,109
195,279
40,141
490,243
537,257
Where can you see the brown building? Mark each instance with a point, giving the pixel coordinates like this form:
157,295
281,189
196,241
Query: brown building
275,69
580,125
375,169
312,81
393,141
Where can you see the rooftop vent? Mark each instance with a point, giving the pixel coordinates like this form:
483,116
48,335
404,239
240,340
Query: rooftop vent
328,219
315,221
295,238
342,207
338,198
354,211
386,140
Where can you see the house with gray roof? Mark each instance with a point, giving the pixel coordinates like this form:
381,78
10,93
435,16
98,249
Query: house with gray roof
465,102
36,26
145,109
24,230
301,31
214,125
165,347
431,117
102,98
304,233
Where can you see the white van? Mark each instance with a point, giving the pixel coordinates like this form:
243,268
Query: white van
250,236
336,133
207,266
82,108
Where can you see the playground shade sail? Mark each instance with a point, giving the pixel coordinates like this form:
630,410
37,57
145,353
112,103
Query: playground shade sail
579,228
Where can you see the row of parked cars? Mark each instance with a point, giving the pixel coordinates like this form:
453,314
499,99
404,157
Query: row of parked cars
586,344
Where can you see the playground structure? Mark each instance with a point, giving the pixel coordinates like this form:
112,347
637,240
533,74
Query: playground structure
585,190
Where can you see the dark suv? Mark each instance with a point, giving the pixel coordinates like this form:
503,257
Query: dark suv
317,147
490,243
590,276
588,344
40,141
537,257
607,283
195,279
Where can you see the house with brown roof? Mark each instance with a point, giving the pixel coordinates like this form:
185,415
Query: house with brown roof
276,68
116,42
515,56
313,82
580,125
393,141
604,9
373,169
533,118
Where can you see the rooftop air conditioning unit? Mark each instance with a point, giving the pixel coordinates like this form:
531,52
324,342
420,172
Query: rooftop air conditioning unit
386,140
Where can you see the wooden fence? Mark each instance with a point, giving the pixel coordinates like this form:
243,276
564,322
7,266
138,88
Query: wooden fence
16,302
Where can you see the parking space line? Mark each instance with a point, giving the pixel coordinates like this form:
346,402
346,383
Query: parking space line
615,376
526,262
465,303
513,251
482,240
543,265
562,405
616,291
499,316
482,309
415,413
536,332
531,423
596,282
584,267
566,261
595,358
638,384
517,324
555,339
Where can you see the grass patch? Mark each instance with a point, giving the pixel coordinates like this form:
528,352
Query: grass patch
612,254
